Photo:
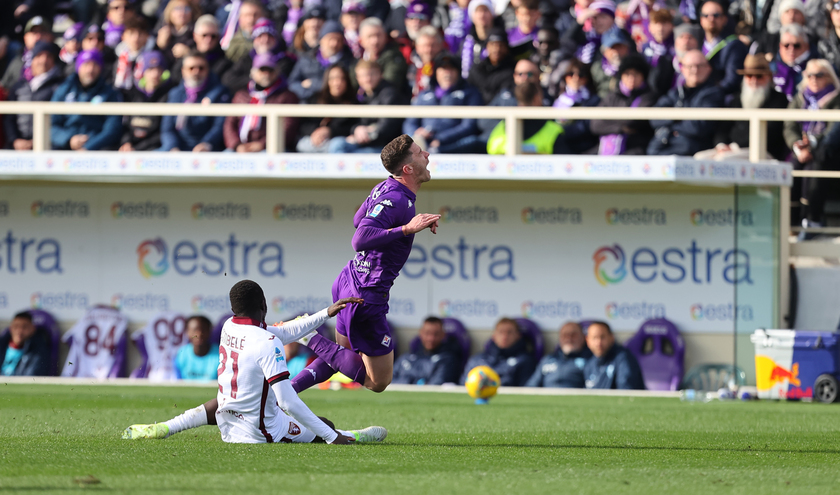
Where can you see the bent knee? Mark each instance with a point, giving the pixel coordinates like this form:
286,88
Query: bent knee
378,386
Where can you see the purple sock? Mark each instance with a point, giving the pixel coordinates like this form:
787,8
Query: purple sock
339,358
318,371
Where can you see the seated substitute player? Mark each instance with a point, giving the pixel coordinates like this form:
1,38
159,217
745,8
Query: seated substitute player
507,353
564,367
612,365
25,349
198,359
438,360
254,390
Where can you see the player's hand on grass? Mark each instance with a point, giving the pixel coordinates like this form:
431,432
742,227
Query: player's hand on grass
420,222
342,440
342,303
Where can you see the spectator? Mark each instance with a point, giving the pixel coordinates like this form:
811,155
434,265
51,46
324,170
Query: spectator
687,137
732,138
135,36
378,49
548,51
809,141
352,15
508,14
525,70
306,37
237,40
615,45
577,91
507,353
428,45
86,132
247,134
435,363
25,350
626,137
584,40
307,76
417,15
475,44
199,133
119,11
206,39
72,44
371,134
611,366
198,359
446,134
37,29
564,367
46,77
94,40
494,73
814,11
455,23
266,41
521,38
335,90
659,49
790,62
829,43
538,136
142,132
792,12
665,77
294,15
725,53
175,36
636,20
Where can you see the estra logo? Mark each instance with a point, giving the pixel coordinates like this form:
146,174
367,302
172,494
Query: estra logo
140,302
229,257
296,305
152,258
139,210
469,214
551,215
635,216
726,217
211,303
309,211
60,209
220,211
551,309
634,311
721,312
58,300
474,307
609,265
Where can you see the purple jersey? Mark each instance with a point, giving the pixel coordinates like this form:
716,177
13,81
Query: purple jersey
381,247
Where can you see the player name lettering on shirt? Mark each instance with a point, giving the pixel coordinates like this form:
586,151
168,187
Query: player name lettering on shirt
232,342
362,266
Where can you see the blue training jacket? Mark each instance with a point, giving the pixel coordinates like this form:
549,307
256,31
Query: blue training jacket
561,370
197,129
617,369
446,130
103,131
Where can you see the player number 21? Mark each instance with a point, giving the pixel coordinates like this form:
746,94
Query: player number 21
234,366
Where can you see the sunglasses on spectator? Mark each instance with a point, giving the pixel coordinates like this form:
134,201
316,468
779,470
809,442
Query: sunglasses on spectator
524,74
796,46
816,75
713,16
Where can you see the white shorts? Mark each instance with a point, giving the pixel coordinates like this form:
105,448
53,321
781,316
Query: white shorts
236,428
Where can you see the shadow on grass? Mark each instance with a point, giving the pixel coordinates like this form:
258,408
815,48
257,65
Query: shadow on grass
612,447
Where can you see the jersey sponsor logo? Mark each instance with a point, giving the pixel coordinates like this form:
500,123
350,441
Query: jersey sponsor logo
469,214
59,300
221,211
278,355
4,208
635,216
551,215
235,414
376,211
386,341
293,428
309,211
60,209
22,253
213,258
144,210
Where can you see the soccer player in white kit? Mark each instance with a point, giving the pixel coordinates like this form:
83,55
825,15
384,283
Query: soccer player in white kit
256,402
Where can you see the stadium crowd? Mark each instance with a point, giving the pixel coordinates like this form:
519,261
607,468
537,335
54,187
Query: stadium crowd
591,359
553,53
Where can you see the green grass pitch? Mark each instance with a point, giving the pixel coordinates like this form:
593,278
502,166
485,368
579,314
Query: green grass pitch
62,439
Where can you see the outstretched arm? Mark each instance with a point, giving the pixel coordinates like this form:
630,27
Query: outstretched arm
293,330
370,236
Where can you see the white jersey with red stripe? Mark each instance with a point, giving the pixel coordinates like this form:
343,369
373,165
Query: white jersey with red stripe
95,343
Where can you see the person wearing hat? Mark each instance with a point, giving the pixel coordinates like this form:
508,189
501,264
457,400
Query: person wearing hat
86,132
494,73
615,45
791,12
725,53
757,91
198,86
37,29
813,12
584,40
237,39
206,38
352,15
446,134
626,137
416,16
266,40
306,37
47,76
142,132
483,20
93,39
247,134
386,53
72,43
428,45
307,76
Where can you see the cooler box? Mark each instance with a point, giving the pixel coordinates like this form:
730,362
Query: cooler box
788,362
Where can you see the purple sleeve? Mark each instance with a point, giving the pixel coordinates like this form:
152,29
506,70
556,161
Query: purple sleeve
381,224
360,215
368,237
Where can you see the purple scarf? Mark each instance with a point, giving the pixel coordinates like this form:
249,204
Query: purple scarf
571,98
231,25
471,53
608,68
326,62
654,50
254,122
786,78
517,38
192,97
813,101
587,52
113,33
26,70
459,26
290,27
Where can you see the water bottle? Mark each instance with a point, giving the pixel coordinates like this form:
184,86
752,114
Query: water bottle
691,395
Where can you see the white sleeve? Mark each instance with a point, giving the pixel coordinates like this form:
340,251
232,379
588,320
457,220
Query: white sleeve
295,329
294,407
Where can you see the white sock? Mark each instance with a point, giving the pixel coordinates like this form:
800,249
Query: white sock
345,433
192,418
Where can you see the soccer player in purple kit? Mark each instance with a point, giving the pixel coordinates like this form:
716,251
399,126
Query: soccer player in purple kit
385,227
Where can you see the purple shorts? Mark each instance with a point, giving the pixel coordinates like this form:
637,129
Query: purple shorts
364,325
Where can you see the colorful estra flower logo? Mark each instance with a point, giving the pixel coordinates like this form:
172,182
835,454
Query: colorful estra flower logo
611,310
601,275
696,311
279,212
144,250
35,300
696,217
527,309
445,214
277,305
443,308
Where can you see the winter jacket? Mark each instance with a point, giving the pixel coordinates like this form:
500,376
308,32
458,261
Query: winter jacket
617,369
726,63
238,75
793,129
561,370
103,131
505,98
310,67
240,46
37,353
637,139
394,68
577,134
280,97
443,365
386,128
446,130
829,49
686,137
143,131
20,126
739,131
491,79
515,365
339,126
197,129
